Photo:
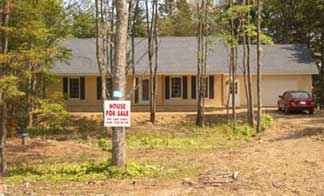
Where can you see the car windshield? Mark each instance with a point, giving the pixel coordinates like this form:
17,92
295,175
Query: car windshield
299,95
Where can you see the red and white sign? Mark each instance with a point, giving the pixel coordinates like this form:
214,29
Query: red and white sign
117,113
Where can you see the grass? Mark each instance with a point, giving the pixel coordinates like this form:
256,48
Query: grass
84,171
185,139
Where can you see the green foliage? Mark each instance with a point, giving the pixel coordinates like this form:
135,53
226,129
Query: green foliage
243,131
178,21
196,139
82,171
51,111
267,120
8,87
104,145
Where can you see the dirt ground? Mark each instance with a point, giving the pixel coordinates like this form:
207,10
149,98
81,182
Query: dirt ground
287,159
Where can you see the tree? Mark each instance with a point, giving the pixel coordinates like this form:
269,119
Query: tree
30,44
119,80
103,58
259,64
176,19
248,30
151,25
298,22
4,89
202,38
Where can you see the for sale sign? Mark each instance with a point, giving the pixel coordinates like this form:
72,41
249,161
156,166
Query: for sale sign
117,113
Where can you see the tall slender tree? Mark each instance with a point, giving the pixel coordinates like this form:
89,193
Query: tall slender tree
259,64
4,110
102,35
202,43
119,80
151,25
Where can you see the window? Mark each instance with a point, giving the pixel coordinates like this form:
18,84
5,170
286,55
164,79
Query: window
206,89
74,88
176,87
300,95
235,88
145,90
205,85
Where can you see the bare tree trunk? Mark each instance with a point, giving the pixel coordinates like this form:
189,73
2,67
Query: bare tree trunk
155,36
32,93
249,77
259,116
245,78
101,51
4,111
322,69
229,90
3,135
152,52
200,118
133,34
233,65
119,80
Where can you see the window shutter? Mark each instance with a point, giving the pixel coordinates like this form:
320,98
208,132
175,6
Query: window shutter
211,87
99,86
193,87
185,87
167,87
136,91
82,88
65,87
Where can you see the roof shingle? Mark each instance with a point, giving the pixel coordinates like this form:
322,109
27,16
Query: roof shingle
178,55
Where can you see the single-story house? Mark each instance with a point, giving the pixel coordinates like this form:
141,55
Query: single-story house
285,67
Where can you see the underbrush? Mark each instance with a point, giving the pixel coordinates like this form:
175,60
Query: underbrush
195,139
83,171
40,131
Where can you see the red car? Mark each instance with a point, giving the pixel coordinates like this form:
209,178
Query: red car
296,101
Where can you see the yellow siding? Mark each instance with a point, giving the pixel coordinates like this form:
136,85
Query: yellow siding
304,83
91,104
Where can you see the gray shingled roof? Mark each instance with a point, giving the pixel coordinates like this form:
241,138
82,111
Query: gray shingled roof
178,55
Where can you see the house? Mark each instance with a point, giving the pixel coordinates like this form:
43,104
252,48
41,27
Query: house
285,67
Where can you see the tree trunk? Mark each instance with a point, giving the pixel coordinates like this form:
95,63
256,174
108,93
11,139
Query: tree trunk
245,78
101,52
322,71
119,80
249,76
4,111
259,116
200,53
233,65
155,36
3,135
151,25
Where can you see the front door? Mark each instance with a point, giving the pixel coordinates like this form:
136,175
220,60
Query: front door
144,91
235,90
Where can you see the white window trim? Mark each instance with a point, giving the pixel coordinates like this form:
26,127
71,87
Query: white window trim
181,90
69,83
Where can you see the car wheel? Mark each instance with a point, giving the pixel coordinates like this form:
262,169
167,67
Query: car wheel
311,111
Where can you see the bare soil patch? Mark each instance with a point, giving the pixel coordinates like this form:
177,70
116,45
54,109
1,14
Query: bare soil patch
287,159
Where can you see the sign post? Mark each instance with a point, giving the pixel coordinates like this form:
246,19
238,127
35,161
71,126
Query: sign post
117,113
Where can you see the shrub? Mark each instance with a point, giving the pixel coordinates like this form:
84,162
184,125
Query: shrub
266,121
51,112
